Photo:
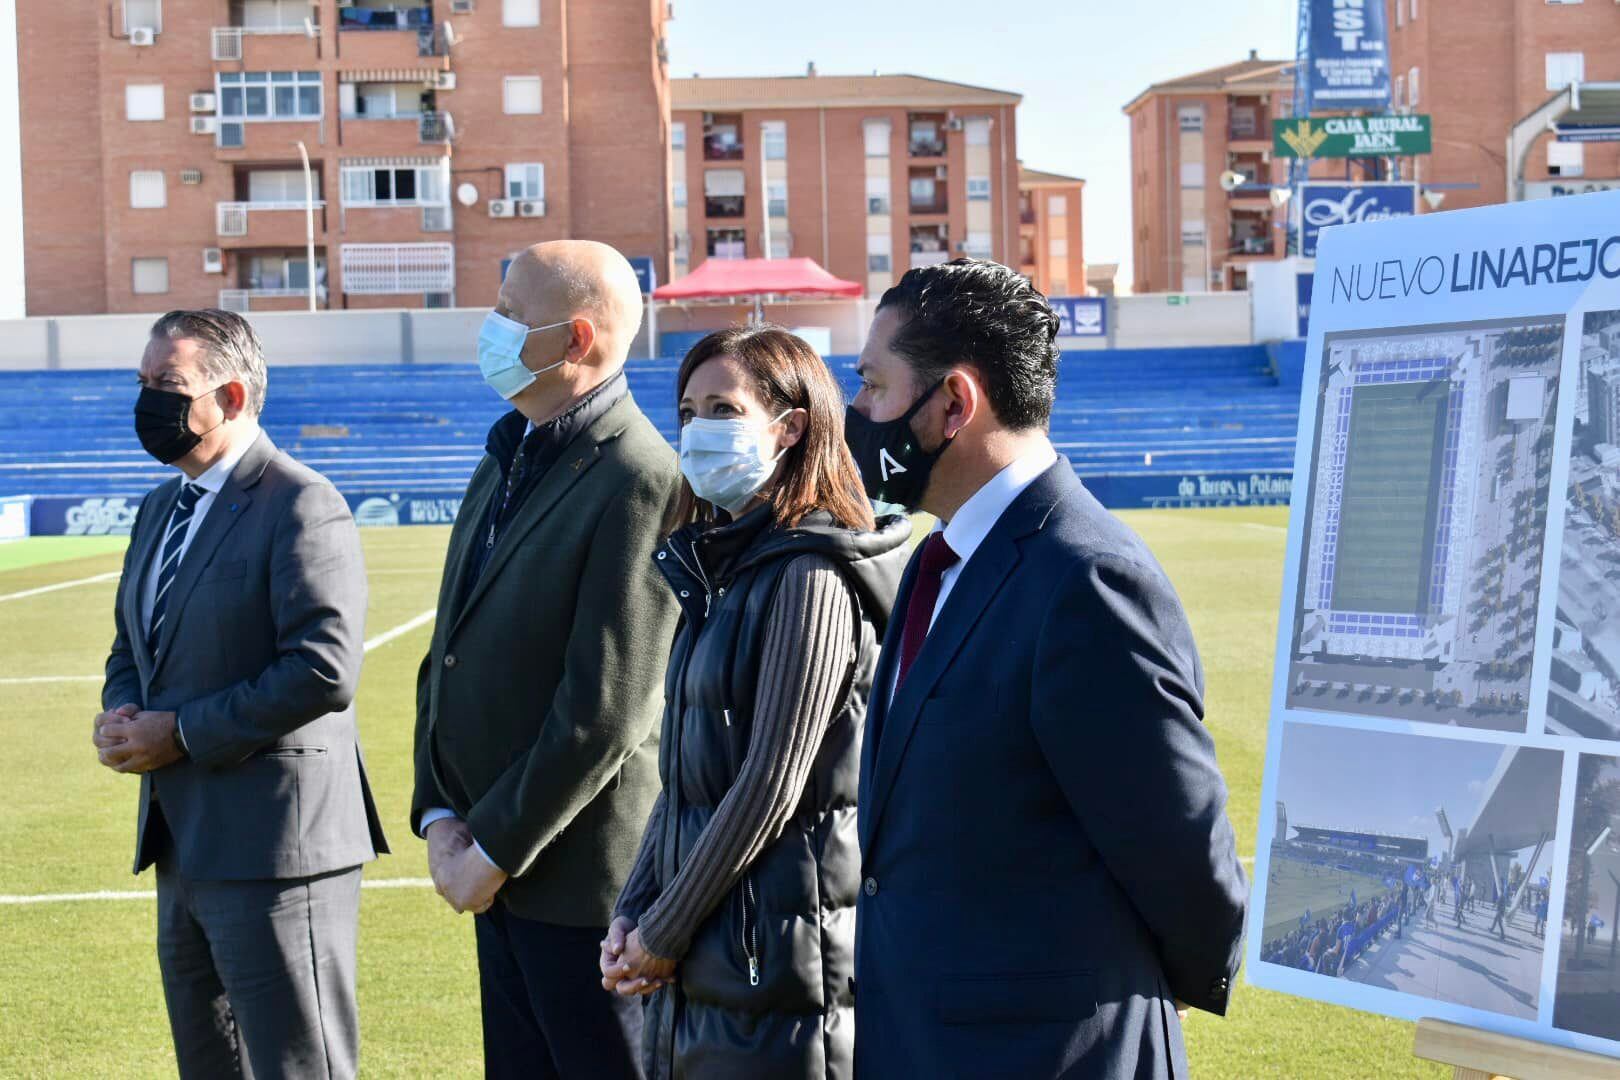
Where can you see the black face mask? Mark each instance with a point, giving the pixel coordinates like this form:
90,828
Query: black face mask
163,424
894,468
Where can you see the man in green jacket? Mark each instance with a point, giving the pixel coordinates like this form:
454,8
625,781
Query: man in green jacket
538,702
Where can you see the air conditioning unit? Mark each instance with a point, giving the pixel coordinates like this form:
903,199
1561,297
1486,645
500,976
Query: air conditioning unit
954,124
213,261
203,103
940,172
501,208
531,208
142,35
461,7
444,80
203,125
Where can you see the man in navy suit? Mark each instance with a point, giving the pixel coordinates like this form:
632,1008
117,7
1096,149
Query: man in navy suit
1048,873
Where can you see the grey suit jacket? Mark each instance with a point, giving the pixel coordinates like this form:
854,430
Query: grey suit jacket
259,655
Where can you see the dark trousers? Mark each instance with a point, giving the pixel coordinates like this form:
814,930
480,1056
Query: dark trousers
258,976
545,1013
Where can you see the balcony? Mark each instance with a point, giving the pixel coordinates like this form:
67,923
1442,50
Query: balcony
722,148
265,224
399,43
397,133
724,206
397,269
266,47
1242,246
244,300
385,17
926,135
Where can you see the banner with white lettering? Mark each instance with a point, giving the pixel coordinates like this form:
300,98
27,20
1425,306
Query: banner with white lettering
1324,205
1443,754
1349,61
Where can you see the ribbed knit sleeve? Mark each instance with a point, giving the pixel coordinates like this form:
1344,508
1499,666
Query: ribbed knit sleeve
641,887
806,656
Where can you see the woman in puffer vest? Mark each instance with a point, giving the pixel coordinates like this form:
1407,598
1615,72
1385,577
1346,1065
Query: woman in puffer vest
738,921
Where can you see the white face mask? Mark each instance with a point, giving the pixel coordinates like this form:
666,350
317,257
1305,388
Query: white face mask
500,354
727,461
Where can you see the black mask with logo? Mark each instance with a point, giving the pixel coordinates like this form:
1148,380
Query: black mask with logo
163,424
894,467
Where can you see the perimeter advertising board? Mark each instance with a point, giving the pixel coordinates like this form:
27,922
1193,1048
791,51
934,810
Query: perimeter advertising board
1445,720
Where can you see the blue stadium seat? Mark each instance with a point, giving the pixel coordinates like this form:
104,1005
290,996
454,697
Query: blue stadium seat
377,428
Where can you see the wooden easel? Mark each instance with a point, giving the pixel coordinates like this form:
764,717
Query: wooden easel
1485,1055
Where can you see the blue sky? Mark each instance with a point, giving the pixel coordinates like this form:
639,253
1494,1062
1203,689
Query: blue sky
1077,62
1345,778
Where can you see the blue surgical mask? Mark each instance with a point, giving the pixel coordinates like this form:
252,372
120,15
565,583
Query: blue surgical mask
727,461
500,354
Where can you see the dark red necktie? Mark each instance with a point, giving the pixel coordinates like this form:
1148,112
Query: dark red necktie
937,557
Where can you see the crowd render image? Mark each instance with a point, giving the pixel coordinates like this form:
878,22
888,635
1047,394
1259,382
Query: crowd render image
593,541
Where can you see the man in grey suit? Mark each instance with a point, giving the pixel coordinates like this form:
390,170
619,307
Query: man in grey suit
240,617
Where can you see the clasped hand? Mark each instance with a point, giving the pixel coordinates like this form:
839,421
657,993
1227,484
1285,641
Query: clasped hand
628,969
128,740
461,874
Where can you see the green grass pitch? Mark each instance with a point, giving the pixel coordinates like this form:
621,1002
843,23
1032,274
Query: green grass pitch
79,990
1296,888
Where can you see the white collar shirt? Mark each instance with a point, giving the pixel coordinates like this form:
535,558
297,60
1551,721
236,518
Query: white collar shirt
211,482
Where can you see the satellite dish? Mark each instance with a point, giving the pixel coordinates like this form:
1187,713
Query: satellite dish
1231,180
467,194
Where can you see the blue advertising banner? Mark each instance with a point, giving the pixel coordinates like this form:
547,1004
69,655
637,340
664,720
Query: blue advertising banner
1324,205
1081,316
1302,300
646,273
1349,66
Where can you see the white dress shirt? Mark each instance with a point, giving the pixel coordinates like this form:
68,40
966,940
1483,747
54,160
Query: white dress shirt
211,483
974,519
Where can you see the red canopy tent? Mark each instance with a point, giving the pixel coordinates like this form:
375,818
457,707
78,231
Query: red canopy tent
755,279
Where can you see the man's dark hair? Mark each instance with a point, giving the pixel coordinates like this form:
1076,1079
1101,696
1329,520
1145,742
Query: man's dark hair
971,311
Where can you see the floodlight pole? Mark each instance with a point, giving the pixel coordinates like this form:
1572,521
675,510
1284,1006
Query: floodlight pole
309,222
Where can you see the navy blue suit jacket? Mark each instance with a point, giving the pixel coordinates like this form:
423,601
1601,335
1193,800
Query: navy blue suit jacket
1046,858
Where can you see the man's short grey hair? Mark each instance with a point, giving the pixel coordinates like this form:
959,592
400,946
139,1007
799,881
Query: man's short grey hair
231,351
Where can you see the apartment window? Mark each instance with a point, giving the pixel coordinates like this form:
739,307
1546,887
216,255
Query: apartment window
1192,174
520,12
978,189
1190,117
877,137
274,14
677,192
1412,87
143,13
279,185
727,244
143,101
1398,92
1400,14
277,272
365,186
1566,159
978,131
1414,9
877,194
1057,246
922,191
977,245
776,198
269,95
1192,234
522,95
775,140
677,135
1564,68
879,253
146,191
781,245
1057,206
526,180
149,275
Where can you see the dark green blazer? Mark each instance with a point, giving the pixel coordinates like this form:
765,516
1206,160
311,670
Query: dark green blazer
537,706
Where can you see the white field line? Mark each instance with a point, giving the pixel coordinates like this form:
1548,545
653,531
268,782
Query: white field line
381,639
151,894
43,589
1267,528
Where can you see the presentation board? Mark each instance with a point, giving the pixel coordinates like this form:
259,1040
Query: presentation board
1441,835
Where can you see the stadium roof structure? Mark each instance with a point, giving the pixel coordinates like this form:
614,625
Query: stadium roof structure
1520,807
754,279
1578,112
829,91
1251,76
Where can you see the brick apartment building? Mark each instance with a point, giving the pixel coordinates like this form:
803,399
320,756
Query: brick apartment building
161,166
1478,66
1049,232
1475,66
868,175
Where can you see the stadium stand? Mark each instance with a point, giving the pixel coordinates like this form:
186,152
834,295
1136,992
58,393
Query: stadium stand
421,428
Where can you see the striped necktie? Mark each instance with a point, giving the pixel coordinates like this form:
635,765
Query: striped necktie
174,542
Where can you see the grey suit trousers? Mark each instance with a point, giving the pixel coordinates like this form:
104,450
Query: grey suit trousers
259,975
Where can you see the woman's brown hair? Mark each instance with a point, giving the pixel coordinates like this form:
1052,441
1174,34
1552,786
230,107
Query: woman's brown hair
817,472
